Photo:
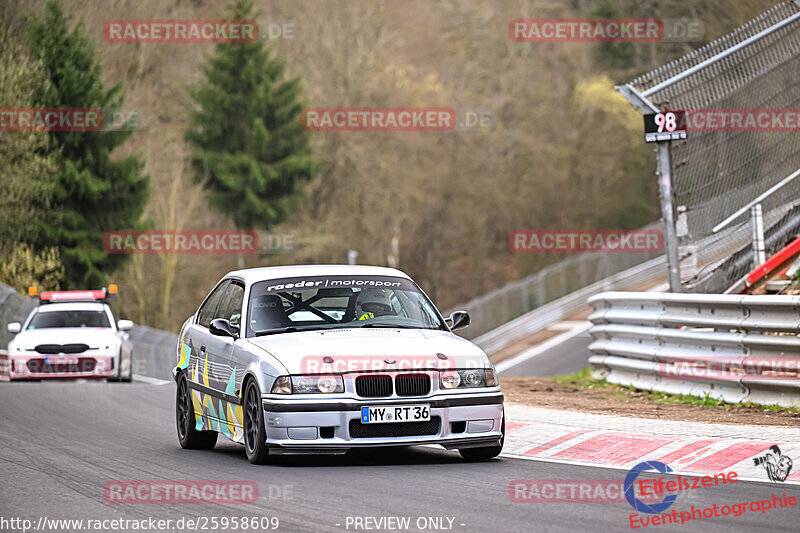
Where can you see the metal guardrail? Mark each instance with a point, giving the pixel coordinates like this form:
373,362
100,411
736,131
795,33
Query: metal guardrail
14,307
154,352
550,284
736,348
561,308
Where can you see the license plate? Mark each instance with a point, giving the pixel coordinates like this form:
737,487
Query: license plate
395,413
61,360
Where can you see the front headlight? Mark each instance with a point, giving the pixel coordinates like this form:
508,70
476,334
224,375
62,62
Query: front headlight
316,384
468,378
282,385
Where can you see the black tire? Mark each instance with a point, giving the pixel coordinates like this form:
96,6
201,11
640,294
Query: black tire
188,436
255,436
120,378
487,452
128,377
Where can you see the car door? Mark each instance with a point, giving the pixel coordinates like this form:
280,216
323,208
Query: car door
203,374
219,347
226,409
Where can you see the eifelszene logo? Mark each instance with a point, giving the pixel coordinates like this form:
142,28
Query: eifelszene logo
777,465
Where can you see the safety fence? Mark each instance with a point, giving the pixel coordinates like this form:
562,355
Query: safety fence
736,348
709,179
516,299
561,308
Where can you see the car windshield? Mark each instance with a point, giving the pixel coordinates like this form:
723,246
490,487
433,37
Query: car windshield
69,319
324,302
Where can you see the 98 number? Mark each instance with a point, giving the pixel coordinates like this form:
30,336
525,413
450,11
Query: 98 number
666,122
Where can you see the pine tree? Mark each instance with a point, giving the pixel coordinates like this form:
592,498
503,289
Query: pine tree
249,149
93,194
26,176
614,55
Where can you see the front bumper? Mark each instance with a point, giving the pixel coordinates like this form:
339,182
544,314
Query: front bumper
302,427
37,366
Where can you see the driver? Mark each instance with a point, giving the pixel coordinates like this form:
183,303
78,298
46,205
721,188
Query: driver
373,302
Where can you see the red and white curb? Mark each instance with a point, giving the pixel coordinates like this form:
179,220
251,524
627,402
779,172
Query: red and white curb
622,442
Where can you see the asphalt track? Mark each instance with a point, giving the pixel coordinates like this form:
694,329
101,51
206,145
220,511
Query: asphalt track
60,442
564,358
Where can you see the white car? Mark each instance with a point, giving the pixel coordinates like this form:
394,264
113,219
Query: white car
322,359
71,334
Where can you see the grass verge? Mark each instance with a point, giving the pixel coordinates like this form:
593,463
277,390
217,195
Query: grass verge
583,379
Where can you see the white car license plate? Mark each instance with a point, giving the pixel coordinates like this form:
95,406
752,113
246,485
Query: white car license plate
395,413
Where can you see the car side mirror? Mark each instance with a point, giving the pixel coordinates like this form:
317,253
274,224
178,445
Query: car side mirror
14,327
458,319
222,328
125,325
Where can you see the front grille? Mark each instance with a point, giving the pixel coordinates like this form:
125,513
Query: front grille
52,349
374,386
412,384
397,429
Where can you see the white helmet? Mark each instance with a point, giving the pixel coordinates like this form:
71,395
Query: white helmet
375,301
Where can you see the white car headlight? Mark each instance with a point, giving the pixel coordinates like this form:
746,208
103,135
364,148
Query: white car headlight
282,385
450,380
313,384
468,378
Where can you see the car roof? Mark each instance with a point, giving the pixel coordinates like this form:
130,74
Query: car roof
252,275
71,306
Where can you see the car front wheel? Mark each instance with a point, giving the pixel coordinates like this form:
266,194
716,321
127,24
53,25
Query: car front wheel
255,436
188,435
126,368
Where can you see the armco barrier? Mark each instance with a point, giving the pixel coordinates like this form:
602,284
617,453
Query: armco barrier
737,348
154,352
559,309
546,314
13,308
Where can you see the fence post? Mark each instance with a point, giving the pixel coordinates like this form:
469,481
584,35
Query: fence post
668,211
540,290
757,221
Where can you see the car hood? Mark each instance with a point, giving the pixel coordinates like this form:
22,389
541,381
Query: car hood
94,337
354,350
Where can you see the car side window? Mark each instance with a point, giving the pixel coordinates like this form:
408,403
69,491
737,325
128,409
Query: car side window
209,309
230,308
